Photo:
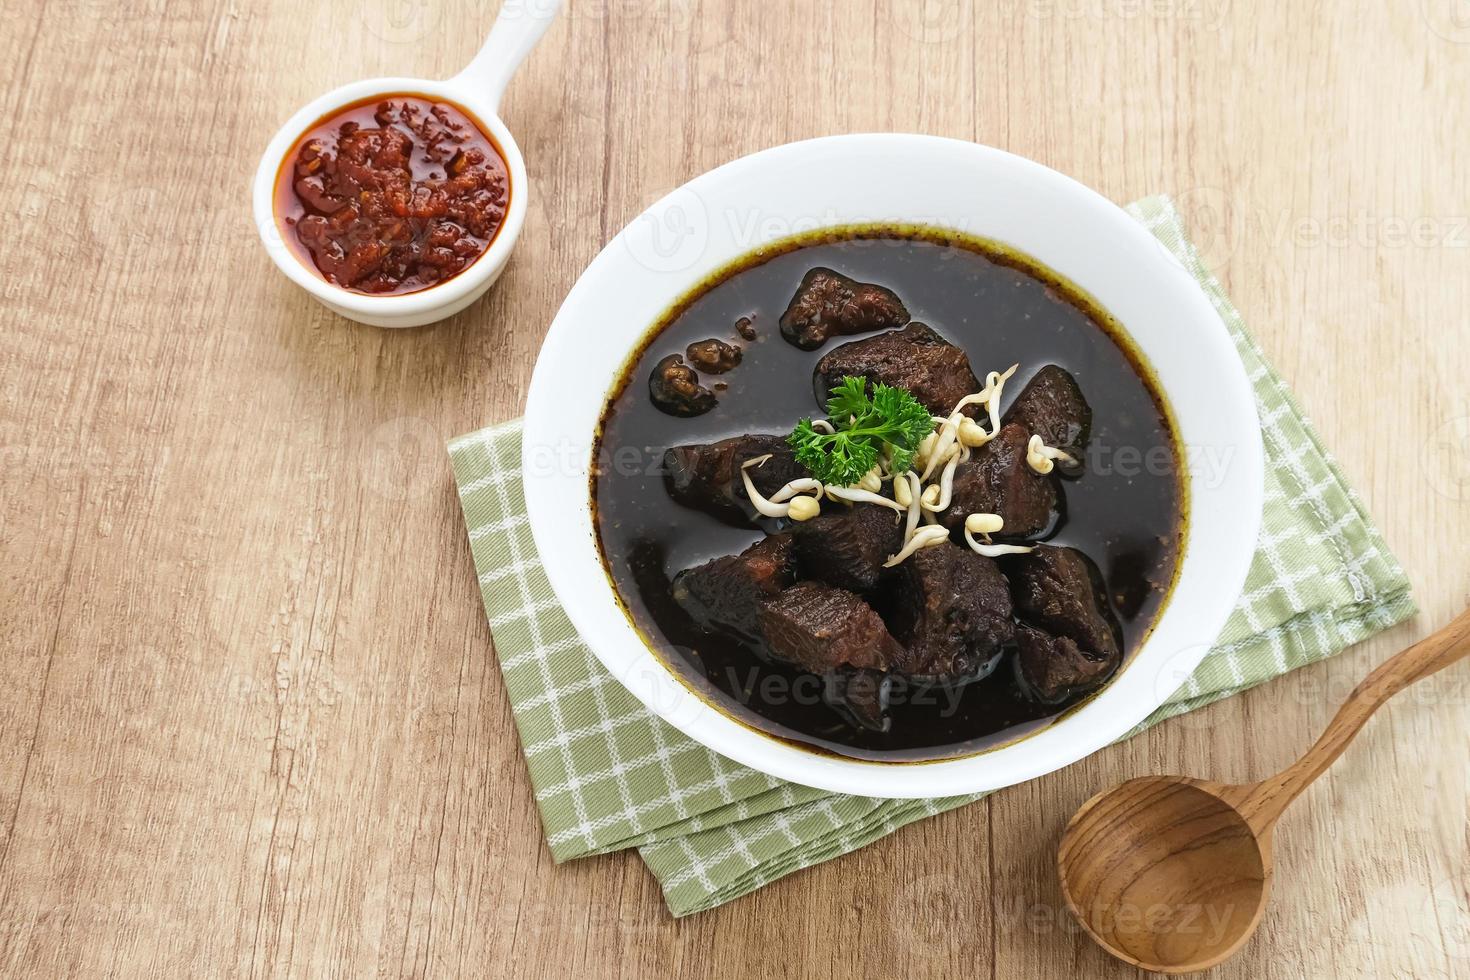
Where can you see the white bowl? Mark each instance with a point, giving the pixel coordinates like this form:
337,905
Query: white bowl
476,91
726,213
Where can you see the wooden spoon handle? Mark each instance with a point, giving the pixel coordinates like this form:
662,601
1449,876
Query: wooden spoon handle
1263,803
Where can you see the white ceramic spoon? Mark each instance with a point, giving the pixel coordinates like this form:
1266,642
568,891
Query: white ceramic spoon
476,90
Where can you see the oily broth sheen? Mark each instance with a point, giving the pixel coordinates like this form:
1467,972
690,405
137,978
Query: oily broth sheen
1125,512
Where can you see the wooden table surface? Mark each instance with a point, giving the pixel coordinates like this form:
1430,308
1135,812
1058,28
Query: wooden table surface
251,721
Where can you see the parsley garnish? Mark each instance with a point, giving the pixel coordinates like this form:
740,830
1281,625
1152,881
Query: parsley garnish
866,424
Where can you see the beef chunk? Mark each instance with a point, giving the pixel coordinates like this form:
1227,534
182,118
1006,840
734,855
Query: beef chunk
1060,591
713,356
936,372
1053,668
829,304
998,480
951,609
745,327
847,547
1068,642
727,592
1051,406
675,389
822,628
707,476
860,696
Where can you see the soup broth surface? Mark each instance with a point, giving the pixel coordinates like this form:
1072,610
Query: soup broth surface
1125,512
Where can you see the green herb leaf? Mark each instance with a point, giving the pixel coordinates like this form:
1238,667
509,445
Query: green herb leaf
889,419
849,400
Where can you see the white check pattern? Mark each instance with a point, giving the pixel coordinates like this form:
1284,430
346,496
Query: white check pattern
609,775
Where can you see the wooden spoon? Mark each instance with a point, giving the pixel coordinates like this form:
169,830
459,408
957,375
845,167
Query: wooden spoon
1172,874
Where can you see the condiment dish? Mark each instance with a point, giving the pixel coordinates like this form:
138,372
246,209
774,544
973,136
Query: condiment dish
477,91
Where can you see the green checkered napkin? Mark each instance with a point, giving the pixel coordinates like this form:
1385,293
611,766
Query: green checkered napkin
608,774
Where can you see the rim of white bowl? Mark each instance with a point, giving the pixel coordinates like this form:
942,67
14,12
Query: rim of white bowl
1223,520
272,234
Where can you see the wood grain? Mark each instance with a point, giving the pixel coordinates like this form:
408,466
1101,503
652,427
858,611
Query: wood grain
1173,874
252,725
1263,803
1165,874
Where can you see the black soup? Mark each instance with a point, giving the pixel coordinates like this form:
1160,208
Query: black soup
1040,556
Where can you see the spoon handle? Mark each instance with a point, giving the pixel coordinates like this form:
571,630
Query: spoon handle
517,28
1264,802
